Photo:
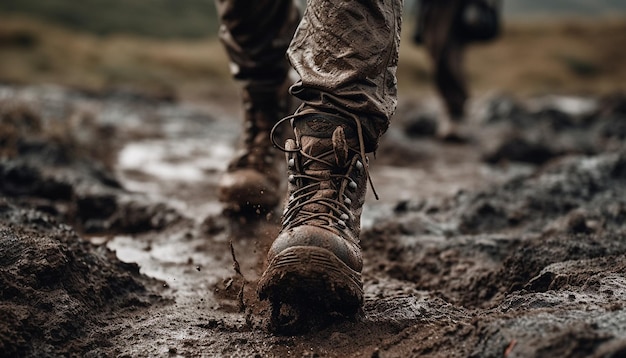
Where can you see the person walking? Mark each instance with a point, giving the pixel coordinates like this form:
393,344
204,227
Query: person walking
346,55
445,28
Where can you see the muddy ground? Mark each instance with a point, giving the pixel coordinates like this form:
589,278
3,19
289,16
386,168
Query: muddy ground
510,244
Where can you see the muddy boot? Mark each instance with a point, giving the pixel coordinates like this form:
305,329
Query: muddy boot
314,272
453,130
251,183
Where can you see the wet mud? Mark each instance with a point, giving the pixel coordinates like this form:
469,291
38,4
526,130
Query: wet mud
113,243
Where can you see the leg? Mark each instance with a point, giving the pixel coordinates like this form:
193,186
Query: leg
446,50
442,41
450,80
346,53
256,35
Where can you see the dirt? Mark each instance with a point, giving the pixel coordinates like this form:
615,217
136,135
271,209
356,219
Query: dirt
113,243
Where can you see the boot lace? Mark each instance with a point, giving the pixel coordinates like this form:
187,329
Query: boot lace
325,188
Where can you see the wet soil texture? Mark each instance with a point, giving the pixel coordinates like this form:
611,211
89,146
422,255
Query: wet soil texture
509,244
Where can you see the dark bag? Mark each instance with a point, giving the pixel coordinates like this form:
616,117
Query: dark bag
479,20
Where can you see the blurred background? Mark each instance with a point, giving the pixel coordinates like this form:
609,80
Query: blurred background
169,48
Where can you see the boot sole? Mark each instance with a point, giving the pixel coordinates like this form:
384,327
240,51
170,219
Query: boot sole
314,285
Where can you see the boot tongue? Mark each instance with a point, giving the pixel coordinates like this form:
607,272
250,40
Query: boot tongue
340,147
324,139
318,148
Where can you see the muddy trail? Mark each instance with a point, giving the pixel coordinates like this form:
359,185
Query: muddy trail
510,244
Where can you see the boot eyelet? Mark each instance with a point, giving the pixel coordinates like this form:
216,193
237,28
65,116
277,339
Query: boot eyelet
359,165
292,178
352,185
341,224
344,217
347,201
291,163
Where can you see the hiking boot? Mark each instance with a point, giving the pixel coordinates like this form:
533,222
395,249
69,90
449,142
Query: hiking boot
315,262
252,179
452,130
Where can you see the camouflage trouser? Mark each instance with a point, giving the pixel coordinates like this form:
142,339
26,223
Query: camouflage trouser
345,51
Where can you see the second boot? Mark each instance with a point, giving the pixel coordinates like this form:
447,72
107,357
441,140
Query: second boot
252,179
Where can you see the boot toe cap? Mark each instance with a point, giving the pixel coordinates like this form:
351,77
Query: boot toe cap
307,235
248,187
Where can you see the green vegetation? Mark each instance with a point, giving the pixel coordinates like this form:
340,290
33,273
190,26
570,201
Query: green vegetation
38,52
197,18
563,56
154,18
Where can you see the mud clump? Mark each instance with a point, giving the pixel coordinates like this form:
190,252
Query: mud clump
59,292
58,289
64,168
587,189
538,261
546,128
522,150
421,125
